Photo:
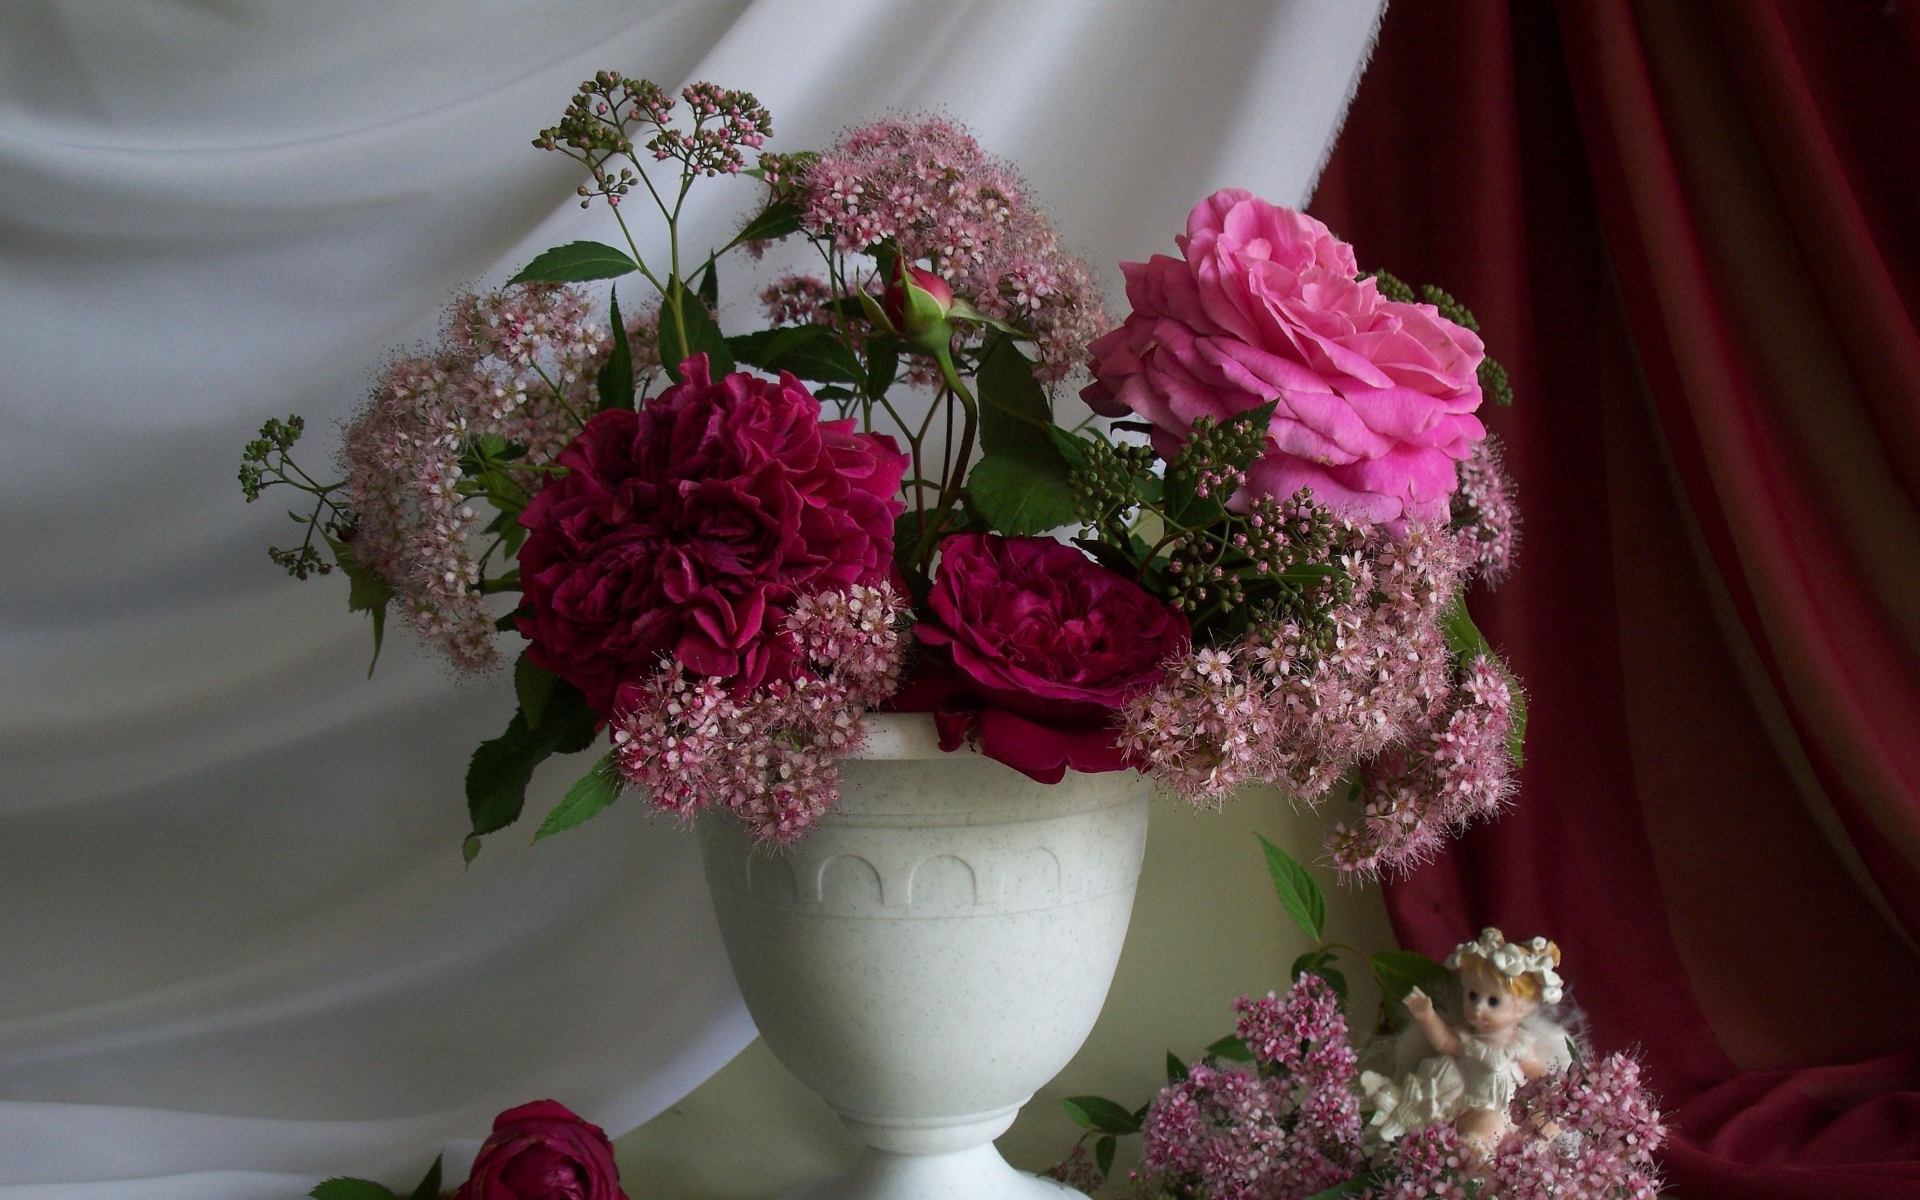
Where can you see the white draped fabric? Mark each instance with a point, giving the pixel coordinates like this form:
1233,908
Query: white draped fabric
238,947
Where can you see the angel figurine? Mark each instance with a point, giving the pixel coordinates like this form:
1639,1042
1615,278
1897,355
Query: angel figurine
1469,1072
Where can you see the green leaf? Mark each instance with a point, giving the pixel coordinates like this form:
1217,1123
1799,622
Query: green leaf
577,262
1071,446
599,787
1102,1114
498,774
1339,1191
1230,1048
429,1188
812,352
701,335
532,685
777,220
1023,490
1103,1154
1312,960
1013,407
1400,971
883,363
615,381
1466,643
470,848
1517,727
1078,1114
1464,639
1337,980
366,592
352,1189
1176,1070
707,287
1299,894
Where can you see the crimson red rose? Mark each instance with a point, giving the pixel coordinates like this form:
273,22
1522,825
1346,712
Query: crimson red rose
688,527
1045,645
543,1151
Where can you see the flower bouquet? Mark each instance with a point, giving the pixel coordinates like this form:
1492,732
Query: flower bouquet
903,621
1242,561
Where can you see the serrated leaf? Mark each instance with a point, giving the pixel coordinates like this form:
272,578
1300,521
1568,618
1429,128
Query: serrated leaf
1023,490
615,380
1464,639
707,287
1339,1191
577,262
1103,1154
700,336
599,787
1013,406
531,686
1466,643
500,769
1176,1070
352,1189
1336,979
883,363
1312,960
1071,445
812,352
777,220
1400,971
1104,1115
1230,1048
367,592
1299,894
429,1188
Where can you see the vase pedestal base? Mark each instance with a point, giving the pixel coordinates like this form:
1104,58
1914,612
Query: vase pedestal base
978,1173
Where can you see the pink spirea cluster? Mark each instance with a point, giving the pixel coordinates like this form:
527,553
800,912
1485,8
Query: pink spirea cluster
1449,772
796,300
1283,1131
1299,706
926,184
509,363
1588,1134
770,756
1486,513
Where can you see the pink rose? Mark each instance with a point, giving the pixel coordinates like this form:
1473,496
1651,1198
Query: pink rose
688,528
1375,398
1044,646
542,1151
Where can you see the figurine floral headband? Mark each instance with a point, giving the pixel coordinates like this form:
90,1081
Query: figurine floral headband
1515,960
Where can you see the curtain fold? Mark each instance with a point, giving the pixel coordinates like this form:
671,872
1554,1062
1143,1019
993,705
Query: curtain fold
1688,231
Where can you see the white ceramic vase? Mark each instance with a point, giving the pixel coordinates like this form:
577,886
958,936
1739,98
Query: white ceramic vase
932,952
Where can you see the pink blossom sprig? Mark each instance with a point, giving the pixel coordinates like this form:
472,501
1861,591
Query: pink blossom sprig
608,111
1283,1131
925,185
1452,771
1486,513
770,757
516,364
797,300
1299,703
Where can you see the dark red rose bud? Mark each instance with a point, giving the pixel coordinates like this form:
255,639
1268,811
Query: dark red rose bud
543,1151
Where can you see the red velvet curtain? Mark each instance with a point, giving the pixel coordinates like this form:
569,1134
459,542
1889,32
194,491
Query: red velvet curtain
1692,233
